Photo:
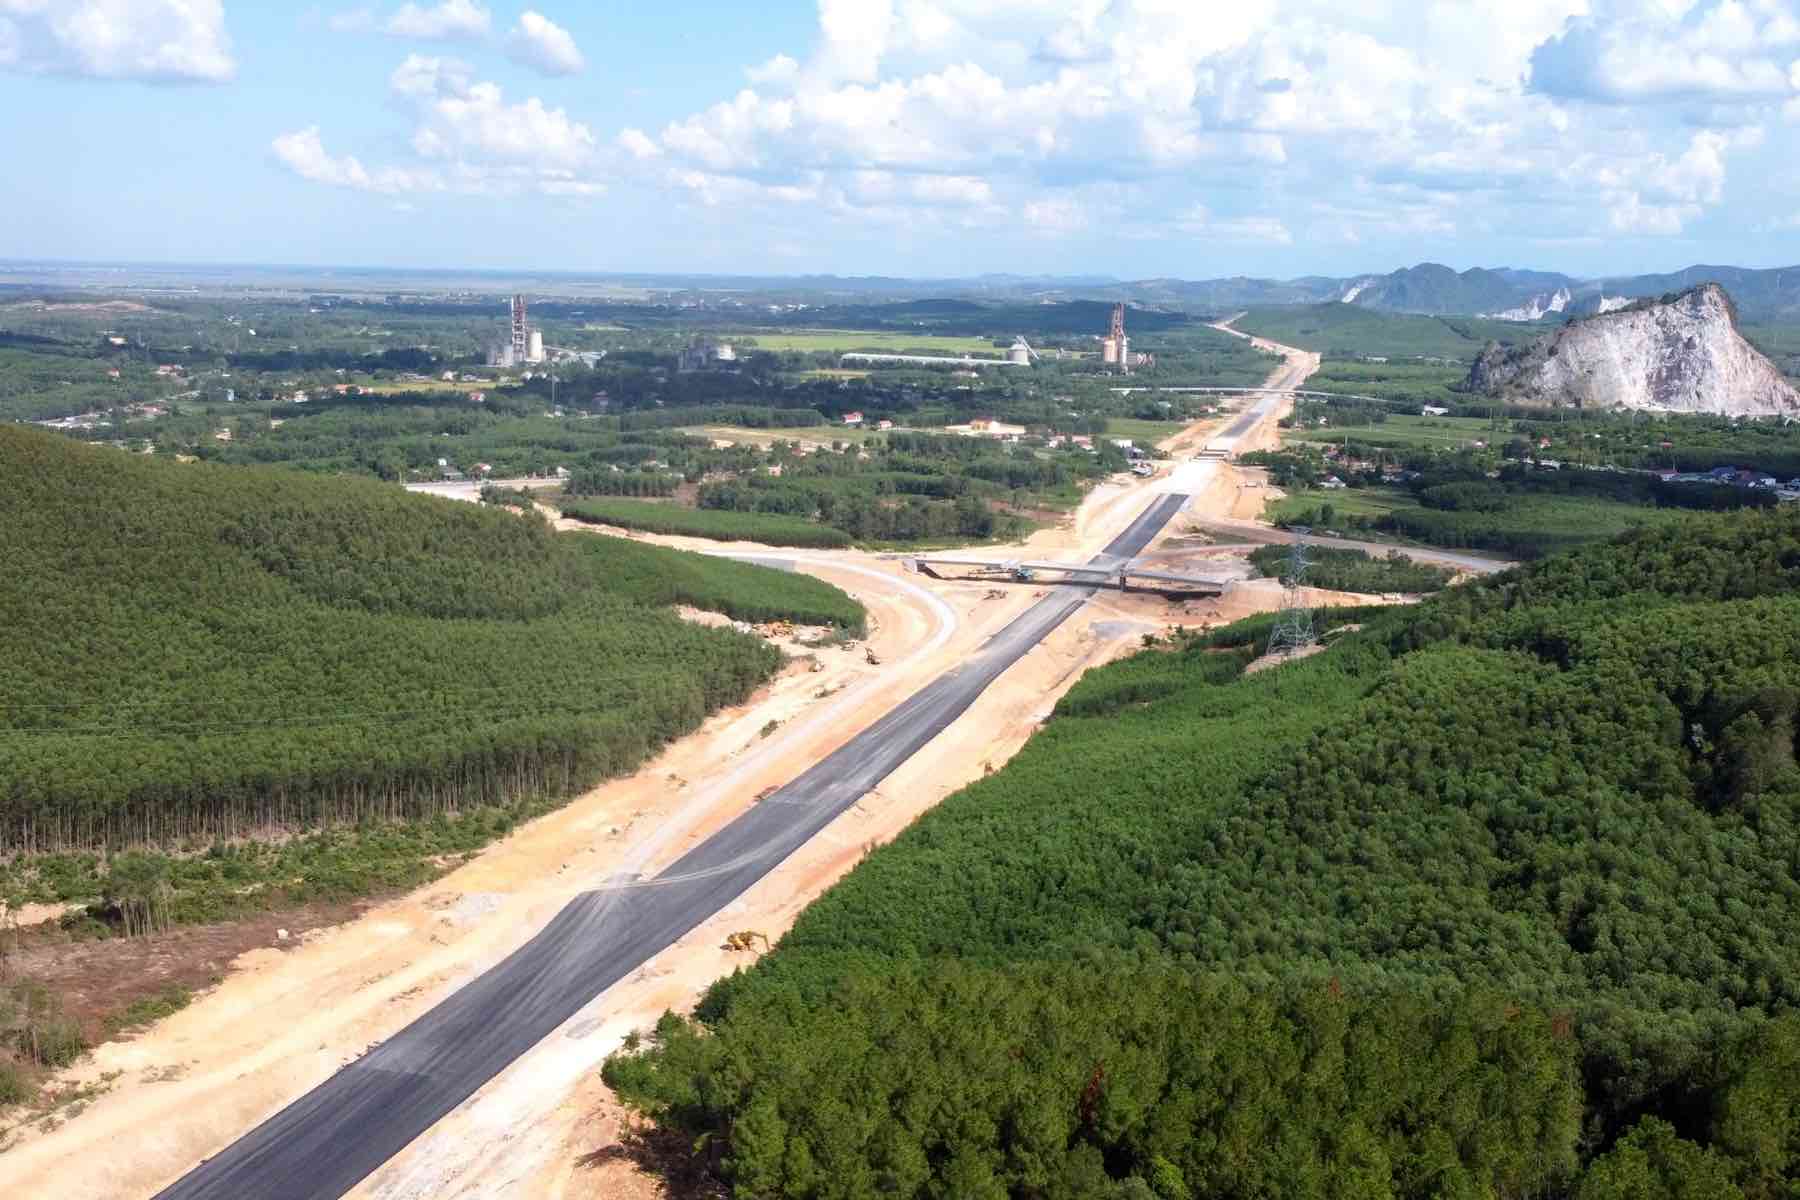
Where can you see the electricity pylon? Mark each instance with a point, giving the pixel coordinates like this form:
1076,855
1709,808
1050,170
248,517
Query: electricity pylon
1294,623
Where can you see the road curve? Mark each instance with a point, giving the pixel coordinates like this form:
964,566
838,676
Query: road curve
321,1145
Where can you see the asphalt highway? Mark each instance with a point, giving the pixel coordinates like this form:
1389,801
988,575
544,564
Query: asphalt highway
323,1144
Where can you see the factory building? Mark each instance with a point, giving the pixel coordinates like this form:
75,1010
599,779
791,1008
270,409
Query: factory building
1115,347
525,346
703,352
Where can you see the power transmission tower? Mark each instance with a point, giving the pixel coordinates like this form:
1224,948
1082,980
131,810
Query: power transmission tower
1294,623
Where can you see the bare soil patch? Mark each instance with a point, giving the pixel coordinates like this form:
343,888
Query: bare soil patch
99,977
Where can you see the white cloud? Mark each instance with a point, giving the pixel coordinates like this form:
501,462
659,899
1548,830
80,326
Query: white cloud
1260,123
445,21
1717,49
303,153
1423,120
543,45
424,77
776,72
468,138
480,121
638,144
162,41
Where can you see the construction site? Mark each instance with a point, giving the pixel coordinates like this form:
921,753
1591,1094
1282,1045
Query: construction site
1017,625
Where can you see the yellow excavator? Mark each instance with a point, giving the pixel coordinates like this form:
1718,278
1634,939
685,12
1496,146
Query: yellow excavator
744,940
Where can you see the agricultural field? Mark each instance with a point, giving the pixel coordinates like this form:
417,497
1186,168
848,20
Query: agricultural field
401,387
1491,897
1401,432
1405,382
901,488
1369,504
1145,433
1344,330
1514,522
814,341
723,526
822,433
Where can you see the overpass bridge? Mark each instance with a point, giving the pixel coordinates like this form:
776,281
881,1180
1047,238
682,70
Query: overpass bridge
1124,576
1254,391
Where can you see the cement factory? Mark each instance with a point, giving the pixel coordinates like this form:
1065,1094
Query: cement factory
1115,352
526,345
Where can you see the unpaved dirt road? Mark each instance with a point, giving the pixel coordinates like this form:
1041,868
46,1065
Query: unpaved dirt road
287,1019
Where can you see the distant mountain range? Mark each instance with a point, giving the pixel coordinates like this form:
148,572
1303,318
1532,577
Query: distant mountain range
1437,290
1429,288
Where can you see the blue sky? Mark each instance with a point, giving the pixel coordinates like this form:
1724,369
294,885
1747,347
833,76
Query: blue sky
1128,137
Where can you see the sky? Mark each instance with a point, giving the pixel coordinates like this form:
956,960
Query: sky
1130,138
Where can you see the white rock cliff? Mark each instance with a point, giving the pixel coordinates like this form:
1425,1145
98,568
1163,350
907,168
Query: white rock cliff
1683,354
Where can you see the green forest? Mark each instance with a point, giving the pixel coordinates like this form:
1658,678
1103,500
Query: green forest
1496,897
192,653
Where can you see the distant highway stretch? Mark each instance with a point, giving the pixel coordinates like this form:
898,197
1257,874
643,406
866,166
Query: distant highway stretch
323,1144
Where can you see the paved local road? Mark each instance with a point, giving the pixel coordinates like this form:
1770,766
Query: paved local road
324,1143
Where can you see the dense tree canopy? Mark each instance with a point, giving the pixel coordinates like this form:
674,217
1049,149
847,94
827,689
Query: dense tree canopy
195,651
1541,830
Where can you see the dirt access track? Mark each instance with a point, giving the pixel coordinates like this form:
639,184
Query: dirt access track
287,1018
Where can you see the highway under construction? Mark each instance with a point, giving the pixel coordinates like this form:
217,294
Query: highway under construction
322,1144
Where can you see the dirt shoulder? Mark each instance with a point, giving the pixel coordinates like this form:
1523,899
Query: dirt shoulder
289,1012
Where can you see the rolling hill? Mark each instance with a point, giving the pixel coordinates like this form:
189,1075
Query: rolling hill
198,652
1496,897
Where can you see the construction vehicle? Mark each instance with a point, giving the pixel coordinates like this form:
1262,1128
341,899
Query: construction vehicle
870,657
744,940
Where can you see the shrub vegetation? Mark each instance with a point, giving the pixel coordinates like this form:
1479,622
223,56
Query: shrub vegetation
717,524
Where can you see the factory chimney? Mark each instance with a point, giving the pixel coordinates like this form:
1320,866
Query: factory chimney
521,345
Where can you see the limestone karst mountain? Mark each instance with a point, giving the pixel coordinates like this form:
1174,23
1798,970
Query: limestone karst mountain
1680,353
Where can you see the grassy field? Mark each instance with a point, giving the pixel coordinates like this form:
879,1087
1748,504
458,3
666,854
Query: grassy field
1530,525
768,437
813,340
1145,433
395,387
1406,432
1347,329
1349,502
